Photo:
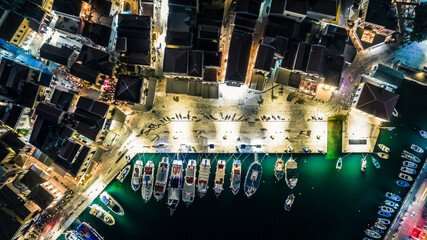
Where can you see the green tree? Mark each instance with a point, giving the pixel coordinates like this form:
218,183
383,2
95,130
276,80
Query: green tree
419,32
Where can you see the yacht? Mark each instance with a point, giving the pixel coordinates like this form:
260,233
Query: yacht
384,148
375,162
387,209
383,221
73,235
408,170
189,189
383,155
395,113
279,169
377,230
219,177
100,213
203,180
363,167
402,183
405,177
136,176
147,181
384,213
423,134
339,164
391,204
88,232
407,155
161,179
123,173
111,203
417,148
372,234
236,176
409,164
289,201
393,196
291,173
175,183
253,177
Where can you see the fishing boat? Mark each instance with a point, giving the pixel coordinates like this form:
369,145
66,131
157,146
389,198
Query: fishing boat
384,148
402,183
395,113
417,148
363,167
88,232
289,201
378,230
236,176
291,173
383,155
100,213
147,181
384,213
405,177
123,173
372,234
279,169
383,221
391,204
339,164
111,203
203,180
380,226
219,177
189,189
393,196
136,176
73,235
409,164
161,179
387,209
175,183
375,162
408,170
423,134
407,155
253,177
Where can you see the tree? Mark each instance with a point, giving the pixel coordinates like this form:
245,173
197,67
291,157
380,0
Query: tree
419,32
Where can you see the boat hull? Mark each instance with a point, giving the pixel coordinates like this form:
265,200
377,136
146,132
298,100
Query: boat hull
253,178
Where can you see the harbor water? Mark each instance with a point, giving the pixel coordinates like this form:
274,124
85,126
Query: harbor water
328,204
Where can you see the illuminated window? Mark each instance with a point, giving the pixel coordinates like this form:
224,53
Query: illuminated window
368,36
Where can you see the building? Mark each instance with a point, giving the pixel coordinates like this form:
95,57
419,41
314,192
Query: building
130,89
180,26
385,77
61,55
238,57
16,28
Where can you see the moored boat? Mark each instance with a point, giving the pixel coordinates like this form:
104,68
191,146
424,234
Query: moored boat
393,196
383,221
289,201
339,164
161,179
100,213
423,134
408,170
402,183
407,155
395,113
405,177
111,203
391,204
363,167
236,176
387,209
175,185
375,162
88,232
73,235
376,229
253,177
219,177
291,173
136,176
383,155
203,180
384,213
123,173
279,169
409,164
417,148
372,234
147,181
189,189
384,148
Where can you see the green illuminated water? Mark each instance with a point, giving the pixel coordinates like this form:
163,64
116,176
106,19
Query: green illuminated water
328,204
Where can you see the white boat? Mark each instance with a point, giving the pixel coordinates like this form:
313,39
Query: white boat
363,167
405,177
423,134
111,203
380,226
203,180
189,189
408,170
289,201
147,181
372,234
384,148
407,155
253,177
291,173
395,113
175,185
393,196
391,204
409,164
219,177
100,213
383,155
384,221
279,169
417,148
123,173
339,164
236,176
136,176
387,209
161,179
